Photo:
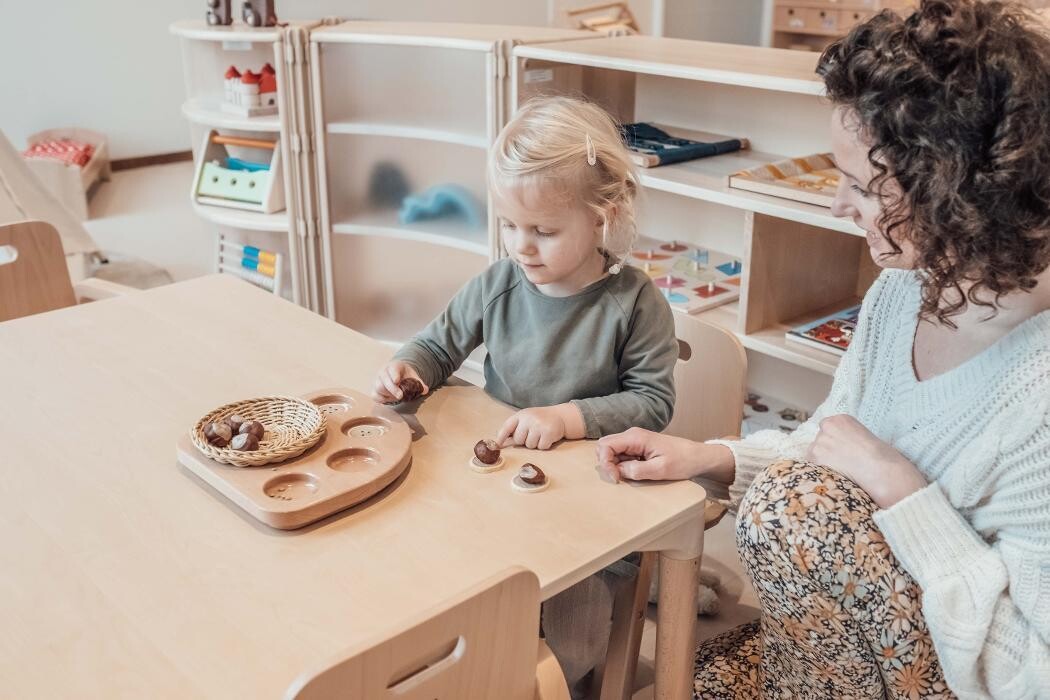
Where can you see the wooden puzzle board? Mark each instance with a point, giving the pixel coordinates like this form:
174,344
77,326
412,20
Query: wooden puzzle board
691,278
365,448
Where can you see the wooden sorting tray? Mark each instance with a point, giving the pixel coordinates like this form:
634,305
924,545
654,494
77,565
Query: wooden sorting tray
812,179
364,449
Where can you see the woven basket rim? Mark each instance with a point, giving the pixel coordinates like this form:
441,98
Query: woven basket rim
312,428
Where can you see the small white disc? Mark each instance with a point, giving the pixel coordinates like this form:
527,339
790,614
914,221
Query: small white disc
518,485
482,468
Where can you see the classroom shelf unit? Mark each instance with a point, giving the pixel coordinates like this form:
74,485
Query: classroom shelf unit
799,261
445,95
207,52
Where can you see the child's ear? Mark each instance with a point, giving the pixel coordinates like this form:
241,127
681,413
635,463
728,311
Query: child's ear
602,220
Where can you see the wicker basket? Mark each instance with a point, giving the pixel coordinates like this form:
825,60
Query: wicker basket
292,426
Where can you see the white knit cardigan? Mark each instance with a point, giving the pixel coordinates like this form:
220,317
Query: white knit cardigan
977,539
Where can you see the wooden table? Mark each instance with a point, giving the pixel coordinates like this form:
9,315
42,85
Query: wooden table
124,576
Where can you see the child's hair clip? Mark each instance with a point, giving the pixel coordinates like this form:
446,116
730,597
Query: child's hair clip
592,155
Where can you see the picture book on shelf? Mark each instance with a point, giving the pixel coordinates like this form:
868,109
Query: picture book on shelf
832,333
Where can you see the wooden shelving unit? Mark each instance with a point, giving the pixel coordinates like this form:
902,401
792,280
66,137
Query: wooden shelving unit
207,51
380,276
813,24
354,261
800,262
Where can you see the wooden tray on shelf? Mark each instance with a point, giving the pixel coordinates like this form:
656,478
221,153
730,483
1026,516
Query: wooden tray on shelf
365,448
810,179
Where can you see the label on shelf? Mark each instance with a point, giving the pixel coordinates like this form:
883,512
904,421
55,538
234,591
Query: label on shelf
237,45
539,75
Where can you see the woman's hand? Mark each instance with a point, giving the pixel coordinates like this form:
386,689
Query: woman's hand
644,455
845,445
386,389
541,427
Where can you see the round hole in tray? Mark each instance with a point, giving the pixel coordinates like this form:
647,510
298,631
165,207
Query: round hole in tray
353,459
333,403
368,428
290,487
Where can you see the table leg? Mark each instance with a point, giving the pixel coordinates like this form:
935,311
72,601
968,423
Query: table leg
676,626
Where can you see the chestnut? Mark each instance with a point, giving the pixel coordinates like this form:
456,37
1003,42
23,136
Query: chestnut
246,442
411,388
254,428
532,475
218,433
235,422
486,451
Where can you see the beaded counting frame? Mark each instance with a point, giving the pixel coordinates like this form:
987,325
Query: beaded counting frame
262,268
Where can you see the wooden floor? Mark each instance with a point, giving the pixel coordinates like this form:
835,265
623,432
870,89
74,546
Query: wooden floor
145,214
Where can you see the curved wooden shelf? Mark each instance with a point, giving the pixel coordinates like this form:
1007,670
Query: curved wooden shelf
242,218
449,233
208,112
454,35
200,30
408,132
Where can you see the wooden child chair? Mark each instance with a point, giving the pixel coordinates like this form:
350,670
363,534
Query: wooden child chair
710,385
480,645
34,277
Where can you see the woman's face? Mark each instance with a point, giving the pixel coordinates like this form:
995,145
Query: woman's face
856,200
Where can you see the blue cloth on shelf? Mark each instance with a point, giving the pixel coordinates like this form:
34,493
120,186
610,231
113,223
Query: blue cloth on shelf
442,201
247,165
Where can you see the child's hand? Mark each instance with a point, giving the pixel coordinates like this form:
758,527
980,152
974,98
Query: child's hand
386,388
540,428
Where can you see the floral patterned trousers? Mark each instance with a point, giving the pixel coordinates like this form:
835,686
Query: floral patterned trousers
840,618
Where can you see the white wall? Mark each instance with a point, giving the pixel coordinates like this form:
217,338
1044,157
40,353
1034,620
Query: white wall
727,21
112,66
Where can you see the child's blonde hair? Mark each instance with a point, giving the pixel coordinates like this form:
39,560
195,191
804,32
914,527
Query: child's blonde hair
577,147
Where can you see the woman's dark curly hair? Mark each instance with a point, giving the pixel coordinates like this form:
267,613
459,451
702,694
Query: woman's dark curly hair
955,99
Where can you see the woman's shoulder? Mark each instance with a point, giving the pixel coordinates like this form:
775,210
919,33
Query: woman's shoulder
1024,357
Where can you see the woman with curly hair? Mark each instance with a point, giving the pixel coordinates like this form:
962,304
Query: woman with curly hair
899,541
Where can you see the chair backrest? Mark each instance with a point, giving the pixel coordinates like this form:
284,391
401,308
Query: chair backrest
33,273
480,645
710,381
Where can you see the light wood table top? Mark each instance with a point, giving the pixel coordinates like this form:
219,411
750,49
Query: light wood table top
125,576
